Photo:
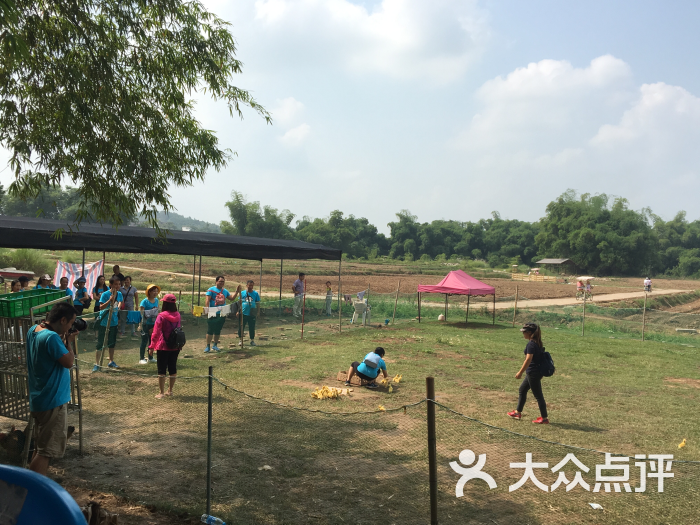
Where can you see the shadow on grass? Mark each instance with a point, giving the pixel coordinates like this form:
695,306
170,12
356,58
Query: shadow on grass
576,427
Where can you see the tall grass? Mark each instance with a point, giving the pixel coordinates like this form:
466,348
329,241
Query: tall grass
28,260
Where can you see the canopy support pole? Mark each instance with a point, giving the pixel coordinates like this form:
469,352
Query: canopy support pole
83,274
419,307
493,322
199,289
194,271
445,307
466,321
280,302
303,310
260,283
340,303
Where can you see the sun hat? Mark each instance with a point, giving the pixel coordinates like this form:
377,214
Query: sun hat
81,280
45,276
169,298
150,286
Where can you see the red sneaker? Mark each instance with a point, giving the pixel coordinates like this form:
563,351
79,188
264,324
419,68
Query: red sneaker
541,421
514,414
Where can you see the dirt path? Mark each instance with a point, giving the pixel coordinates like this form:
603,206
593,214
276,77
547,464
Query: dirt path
605,298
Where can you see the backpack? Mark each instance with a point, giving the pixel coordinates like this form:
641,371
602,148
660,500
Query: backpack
372,360
546,364
177,338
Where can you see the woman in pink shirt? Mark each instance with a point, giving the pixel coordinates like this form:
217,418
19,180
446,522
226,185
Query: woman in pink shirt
166,322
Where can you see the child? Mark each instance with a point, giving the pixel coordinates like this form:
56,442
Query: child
369,368
166,322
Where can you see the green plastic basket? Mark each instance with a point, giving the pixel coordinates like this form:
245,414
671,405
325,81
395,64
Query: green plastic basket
19,304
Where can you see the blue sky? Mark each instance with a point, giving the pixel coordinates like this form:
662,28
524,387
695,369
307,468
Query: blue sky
455,108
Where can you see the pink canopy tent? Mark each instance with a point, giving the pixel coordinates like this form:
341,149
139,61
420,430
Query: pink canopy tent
458,283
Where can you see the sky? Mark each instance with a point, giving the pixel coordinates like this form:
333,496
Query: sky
453,109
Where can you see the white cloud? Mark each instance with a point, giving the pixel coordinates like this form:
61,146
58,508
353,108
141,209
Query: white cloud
549,126
435,40
295,136
286,111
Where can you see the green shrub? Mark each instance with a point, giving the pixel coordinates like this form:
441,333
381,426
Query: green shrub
32,260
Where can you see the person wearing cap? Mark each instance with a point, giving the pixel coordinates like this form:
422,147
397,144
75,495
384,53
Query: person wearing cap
112,298
533,375
24,283
81,299
149,312
166,322
44,283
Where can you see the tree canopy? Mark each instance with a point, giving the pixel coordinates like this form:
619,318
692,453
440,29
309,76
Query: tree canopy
102,99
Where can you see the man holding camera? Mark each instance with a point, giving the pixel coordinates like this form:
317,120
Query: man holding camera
48,364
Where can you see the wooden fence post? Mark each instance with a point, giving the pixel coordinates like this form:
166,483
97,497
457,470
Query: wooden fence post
515,307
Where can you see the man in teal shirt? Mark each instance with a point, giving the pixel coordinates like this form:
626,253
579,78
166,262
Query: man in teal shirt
48,378
216,297
112,298
249,304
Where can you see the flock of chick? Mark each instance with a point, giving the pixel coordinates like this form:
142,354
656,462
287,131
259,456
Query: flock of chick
331,392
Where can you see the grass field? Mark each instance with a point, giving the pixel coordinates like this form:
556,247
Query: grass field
620,396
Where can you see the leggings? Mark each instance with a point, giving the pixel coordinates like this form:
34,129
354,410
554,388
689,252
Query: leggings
532,382
167,360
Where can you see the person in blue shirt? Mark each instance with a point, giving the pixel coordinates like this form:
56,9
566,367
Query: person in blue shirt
64,286
149,312
112,298
44,283
369,368
249,304
217,296
82,297
48,378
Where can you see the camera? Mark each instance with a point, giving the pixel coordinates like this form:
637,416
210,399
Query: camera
78,326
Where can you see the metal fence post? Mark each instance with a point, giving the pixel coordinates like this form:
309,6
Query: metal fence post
209,425
432,449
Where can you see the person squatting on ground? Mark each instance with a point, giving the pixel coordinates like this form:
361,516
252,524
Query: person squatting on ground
82,297
329,298
298,290
249,304
149,312
111,298
533,375
48,365
369,368
216,296
166,322
131,298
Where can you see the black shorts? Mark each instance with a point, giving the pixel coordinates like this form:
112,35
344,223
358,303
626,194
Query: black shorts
167,361
360,374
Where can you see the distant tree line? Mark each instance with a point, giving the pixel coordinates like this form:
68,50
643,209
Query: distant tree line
603,236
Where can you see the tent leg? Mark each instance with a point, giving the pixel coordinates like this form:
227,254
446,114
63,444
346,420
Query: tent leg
466,321
340,303
199,289
445,307
419,307
493,322
260,283
280,303
194,271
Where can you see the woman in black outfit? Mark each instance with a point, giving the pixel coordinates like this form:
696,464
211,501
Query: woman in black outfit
533,376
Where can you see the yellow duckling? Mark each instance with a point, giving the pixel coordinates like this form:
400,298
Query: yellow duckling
681,444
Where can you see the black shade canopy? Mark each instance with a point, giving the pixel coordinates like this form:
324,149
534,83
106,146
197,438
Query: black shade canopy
23,232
